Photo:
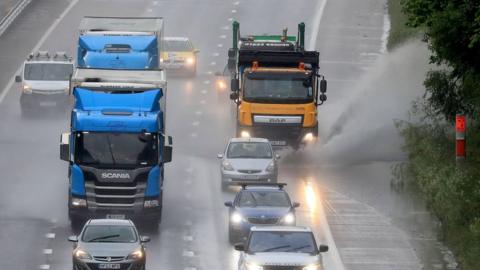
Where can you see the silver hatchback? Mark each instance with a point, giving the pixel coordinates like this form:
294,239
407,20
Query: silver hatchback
248,160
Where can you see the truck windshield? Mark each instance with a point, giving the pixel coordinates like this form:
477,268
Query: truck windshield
48,72
278,241
116,149
278,88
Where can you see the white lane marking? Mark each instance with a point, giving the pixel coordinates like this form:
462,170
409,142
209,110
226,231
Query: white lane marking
333,251
236,3
213,63
216,54
206,82
188,253
48,251
204,91
45,266
149,10
223,36
203,101
155,3
189,223
50,236
189,170
196,123
234,11
316,24
220,45
230,19
37,47
209,72
226,27
198,112
386,33
190,268
194,135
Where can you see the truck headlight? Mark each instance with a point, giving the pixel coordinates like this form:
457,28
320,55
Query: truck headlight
78,202
308,137
227,166
313,267
136,255
236,217
27,89
253,266
289,218
270,167
150,203
82,254
190,61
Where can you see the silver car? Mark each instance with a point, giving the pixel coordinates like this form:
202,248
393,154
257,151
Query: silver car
248,160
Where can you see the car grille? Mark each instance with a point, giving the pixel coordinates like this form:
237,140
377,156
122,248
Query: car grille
263,221
115,194
250,171
106,258
282,267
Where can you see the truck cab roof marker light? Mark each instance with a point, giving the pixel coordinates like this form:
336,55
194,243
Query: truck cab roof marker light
301,66
255,65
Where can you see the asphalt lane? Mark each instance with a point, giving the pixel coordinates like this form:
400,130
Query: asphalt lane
193,232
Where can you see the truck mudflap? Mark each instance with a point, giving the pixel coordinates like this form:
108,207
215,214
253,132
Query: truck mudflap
281,137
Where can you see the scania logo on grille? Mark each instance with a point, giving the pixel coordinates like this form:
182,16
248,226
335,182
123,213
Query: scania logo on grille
115,176
277,120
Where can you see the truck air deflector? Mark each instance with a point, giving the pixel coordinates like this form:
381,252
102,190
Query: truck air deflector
77,181
153,183
278,58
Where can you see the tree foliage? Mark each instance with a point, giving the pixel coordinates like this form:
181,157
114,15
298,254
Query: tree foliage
452,30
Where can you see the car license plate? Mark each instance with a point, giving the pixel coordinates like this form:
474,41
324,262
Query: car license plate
115,216
278,143
48,103
109,266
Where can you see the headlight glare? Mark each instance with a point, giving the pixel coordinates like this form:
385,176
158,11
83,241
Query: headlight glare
136,255
27,89
77,202
190,61
253,266
313,267
244,134
236,218
289,218
82,254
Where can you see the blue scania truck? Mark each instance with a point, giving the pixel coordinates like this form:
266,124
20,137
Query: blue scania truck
120,42
116,146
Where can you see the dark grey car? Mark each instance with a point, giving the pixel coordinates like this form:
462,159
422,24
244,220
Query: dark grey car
109,244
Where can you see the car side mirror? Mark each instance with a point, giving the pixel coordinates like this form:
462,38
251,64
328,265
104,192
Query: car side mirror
323,86
73,239
228,204
65,146
168,149
234,85
219,156
323,248
234,95
144,239
295,205
239,247
18,78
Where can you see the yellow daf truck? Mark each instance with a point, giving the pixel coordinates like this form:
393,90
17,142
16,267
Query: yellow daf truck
276,87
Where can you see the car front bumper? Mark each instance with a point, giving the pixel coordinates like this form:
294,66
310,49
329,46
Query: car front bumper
232,177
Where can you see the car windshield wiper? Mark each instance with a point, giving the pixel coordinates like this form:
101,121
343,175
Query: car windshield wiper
275,248
103,237
298,248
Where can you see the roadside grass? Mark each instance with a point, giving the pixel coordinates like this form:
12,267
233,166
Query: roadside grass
451,189
399,31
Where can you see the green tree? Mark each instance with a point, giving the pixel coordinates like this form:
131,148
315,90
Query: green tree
452,30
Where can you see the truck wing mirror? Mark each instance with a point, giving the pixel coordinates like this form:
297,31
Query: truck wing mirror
18,78
323,85
234,95
239,247
234,85
323,98
228,204
167,150
65,146
323,248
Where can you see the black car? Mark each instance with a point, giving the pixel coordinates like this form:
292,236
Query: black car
109,244
259,205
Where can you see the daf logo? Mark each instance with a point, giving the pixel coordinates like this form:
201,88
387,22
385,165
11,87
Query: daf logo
115,176
277,120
